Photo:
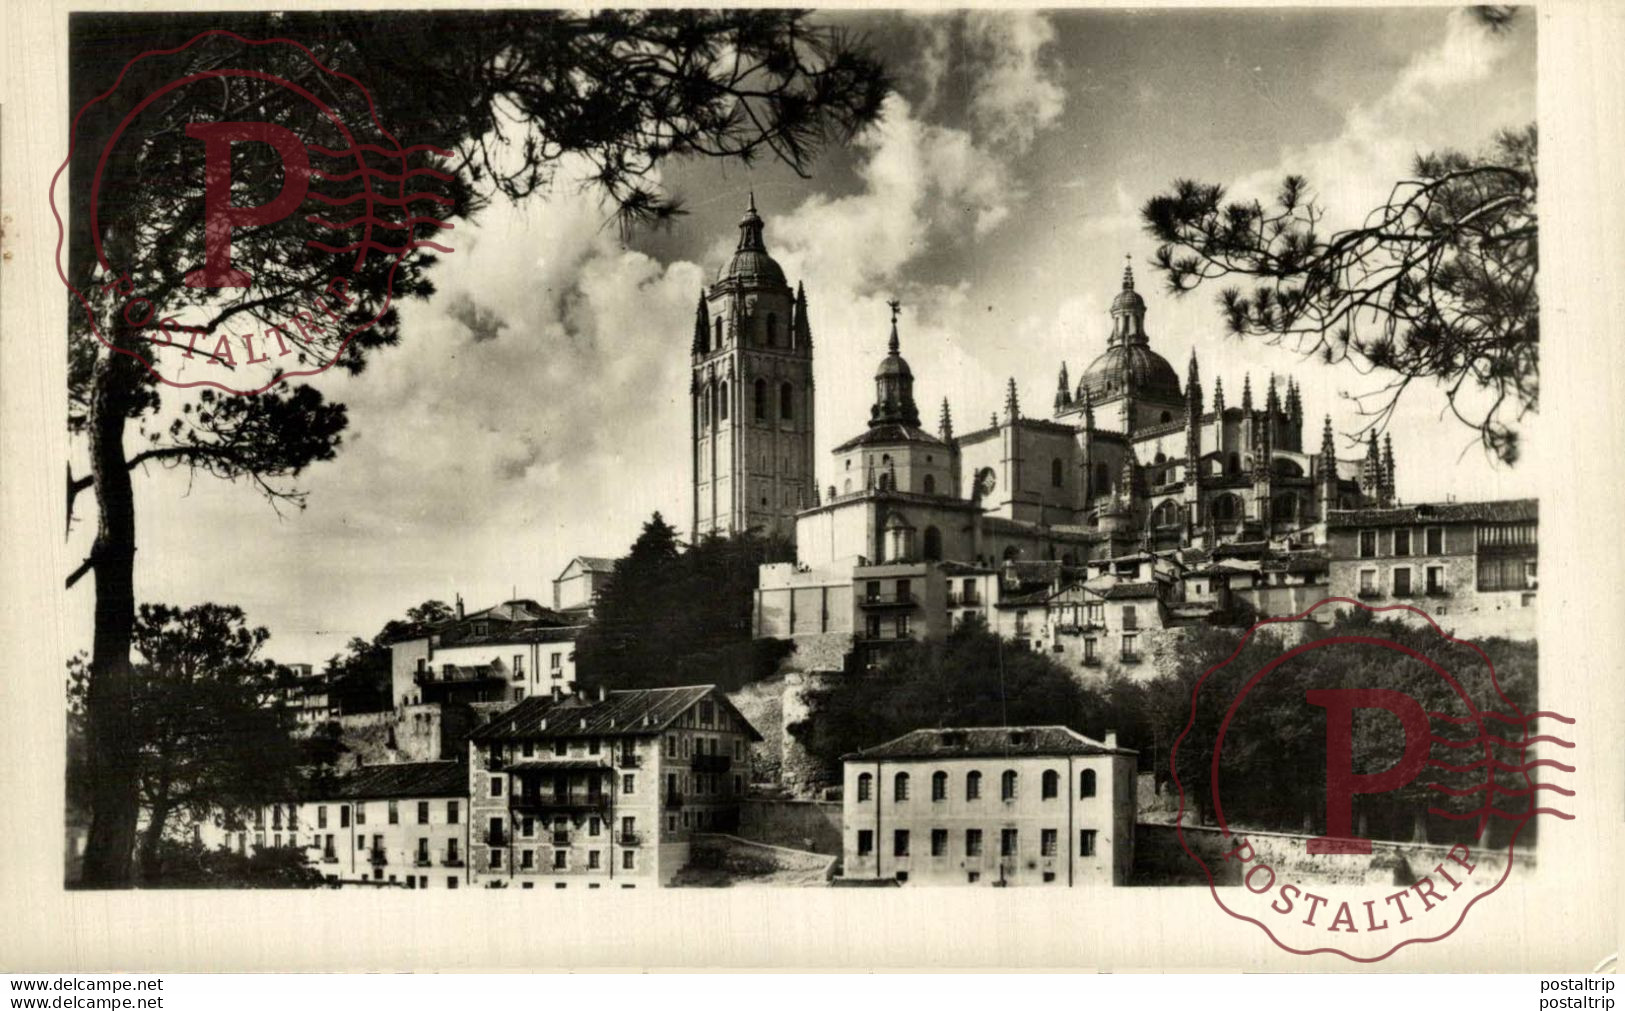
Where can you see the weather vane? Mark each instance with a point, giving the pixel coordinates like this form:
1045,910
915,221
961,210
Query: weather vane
896,307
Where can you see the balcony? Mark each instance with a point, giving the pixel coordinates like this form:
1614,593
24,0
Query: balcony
330,858
423,860
971,599
495,838
377,857
674,800
1438,591
713,763
881,601
1368,594
556,801
495,762
628,839
459,676
1129,658
452,861
629,760
1083,629
561,837
1091,661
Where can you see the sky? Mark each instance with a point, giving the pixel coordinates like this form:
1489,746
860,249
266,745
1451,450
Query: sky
537,407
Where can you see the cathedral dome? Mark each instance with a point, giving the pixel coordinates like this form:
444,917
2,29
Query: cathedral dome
1108,376
751,266
1130,300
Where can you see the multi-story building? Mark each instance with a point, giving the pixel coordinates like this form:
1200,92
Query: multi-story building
576,588
606,789
1470,565
393,825
501,654
990,806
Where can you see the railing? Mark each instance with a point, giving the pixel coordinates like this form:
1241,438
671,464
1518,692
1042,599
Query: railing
520,799
1368,594
1404,593
452,861
1091,661
1128,657
454,677
629,760
561,837
674,800
495,762
423,860
1438,591
628,839
971,599
330,858
495,838
888,600
713,763
377,857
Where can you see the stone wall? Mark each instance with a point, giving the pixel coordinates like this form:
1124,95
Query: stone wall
1160,859
761,703
813,825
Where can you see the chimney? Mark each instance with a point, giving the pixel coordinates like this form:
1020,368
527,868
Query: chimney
1111,739
459,607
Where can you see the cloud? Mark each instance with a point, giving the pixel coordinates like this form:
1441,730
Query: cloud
482,323
1353,171
1015,96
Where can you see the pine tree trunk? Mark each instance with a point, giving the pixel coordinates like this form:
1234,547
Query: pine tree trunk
152,839
115,801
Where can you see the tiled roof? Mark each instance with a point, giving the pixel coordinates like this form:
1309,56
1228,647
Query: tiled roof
991,742
888,434
529,634
592,564
1131,591
408,779
1519,510
631,712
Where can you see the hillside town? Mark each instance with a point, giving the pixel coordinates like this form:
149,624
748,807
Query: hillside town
1102,537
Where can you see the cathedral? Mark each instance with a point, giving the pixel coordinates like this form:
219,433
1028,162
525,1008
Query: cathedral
1129,460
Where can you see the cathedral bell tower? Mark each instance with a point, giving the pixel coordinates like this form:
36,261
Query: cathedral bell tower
752,396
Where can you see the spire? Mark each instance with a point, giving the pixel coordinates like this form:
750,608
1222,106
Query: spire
1063,392
1128,312
1272,400
702,327
750,230
1294,402
1388,489
803,328
993,420
1247,394
1193,386
894,384
1328,446
945,426
1012,406
1128,272
1218,396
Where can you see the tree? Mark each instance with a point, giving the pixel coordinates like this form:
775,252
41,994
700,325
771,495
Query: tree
1437,284
359,678
513,95
213,734
970,679
671,616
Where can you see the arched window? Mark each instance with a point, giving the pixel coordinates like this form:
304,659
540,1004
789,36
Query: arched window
1286,507
722,399
1007,785
761,400
786,403
1235,465
1052,784
772,329
699,409
1167,514
1055,473
939,786
1086,783
973,785
719,333
933,544
866,785
1225,507
900,787
930,484
1103,481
